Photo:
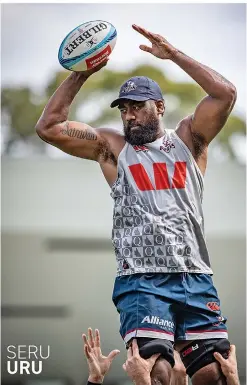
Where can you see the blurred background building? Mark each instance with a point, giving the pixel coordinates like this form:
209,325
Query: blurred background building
58,265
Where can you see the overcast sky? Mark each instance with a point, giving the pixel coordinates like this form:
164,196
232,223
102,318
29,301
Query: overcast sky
211,33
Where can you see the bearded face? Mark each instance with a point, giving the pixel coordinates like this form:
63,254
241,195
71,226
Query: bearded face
141,122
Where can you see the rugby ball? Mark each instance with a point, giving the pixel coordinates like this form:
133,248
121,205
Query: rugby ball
87,45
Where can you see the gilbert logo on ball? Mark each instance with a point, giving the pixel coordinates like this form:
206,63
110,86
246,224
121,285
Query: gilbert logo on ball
87,45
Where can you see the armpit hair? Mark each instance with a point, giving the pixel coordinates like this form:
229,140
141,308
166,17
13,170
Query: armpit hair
199,143
104,153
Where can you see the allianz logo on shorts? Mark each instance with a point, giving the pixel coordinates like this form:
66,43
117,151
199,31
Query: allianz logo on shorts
164,323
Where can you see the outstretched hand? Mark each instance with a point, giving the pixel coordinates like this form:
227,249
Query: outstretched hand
161,48
98,364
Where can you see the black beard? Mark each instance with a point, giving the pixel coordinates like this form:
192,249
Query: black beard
142,134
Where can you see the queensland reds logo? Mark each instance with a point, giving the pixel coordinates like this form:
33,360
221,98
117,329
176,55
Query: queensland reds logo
167,146
213,306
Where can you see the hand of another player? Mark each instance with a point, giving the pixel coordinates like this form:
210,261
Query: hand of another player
179,366
161,48
178,375
98,364
228,365
138,368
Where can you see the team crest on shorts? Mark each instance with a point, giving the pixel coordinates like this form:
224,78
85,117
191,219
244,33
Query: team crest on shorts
213,306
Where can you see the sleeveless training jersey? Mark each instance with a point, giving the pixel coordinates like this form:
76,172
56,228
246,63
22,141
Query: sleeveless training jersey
158,219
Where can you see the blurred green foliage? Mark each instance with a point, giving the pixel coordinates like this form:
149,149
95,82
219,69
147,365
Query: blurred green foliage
21,107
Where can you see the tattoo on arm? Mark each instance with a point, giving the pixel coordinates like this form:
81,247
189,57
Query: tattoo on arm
102,151
79,134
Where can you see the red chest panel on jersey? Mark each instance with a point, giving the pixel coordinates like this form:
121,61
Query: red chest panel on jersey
161,176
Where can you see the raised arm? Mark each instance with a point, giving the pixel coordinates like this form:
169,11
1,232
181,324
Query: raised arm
74,138
212,112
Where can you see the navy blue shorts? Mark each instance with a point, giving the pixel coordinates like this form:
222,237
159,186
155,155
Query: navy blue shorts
178,306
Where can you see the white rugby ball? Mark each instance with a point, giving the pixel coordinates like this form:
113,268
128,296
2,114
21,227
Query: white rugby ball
87,45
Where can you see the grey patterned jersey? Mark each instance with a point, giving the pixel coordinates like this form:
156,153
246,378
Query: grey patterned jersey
158,218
